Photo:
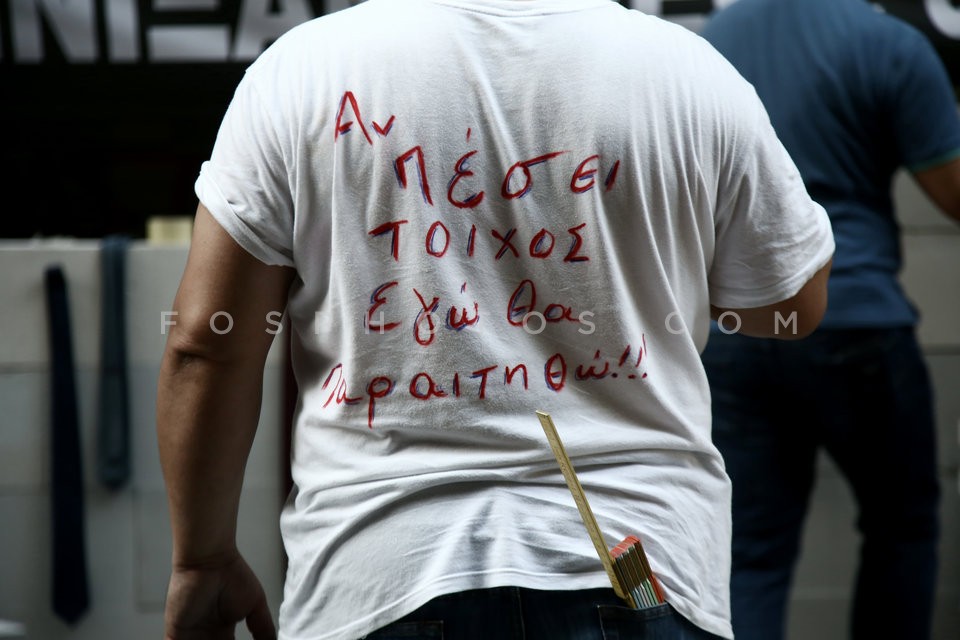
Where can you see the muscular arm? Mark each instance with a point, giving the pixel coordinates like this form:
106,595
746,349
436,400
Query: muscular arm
773,321
208,404
942,186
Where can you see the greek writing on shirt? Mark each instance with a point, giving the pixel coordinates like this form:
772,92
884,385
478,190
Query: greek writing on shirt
430,230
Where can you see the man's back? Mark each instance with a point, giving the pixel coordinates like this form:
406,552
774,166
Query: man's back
847,89
494,207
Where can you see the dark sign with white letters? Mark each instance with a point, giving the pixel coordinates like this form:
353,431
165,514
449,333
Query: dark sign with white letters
110,106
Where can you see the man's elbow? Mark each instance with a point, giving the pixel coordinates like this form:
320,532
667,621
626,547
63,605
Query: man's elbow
942,185
194,339
791,319
798,325
800,316
783,321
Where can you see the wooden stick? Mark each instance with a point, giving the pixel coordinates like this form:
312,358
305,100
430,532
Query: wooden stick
573,483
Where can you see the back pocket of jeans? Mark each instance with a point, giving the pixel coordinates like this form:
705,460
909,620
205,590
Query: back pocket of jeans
426,630
623,623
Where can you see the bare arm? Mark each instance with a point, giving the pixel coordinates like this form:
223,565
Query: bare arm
775,320
942,186
208,405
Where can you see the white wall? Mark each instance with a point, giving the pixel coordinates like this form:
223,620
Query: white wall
128,531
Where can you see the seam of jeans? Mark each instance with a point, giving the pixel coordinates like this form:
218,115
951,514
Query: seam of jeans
603,630
519,629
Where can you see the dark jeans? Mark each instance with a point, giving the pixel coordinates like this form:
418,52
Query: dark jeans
864,397
511,613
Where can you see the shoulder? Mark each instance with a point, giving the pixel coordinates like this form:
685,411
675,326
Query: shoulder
890,32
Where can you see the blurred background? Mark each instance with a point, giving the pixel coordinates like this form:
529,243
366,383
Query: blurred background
107,109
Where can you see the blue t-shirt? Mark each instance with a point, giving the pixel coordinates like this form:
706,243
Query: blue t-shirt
854,94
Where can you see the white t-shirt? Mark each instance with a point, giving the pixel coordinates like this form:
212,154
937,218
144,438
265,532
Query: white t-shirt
494,207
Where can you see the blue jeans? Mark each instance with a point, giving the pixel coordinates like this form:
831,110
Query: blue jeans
512,613
864,397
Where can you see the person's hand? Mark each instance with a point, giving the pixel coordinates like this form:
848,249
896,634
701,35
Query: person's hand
207,602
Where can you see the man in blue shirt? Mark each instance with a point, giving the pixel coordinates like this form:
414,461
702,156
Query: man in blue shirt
854,95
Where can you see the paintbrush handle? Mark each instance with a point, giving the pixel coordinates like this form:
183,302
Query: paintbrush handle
573,483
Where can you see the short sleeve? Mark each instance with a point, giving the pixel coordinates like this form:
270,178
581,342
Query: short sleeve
771,237
926,122
245,184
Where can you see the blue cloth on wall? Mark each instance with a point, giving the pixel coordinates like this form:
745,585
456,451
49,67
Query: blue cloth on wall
113,433
71,596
